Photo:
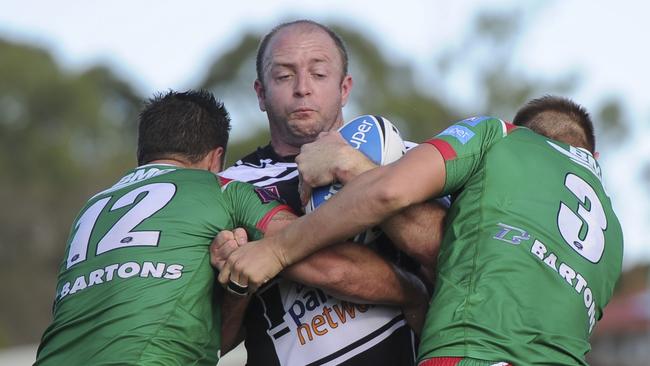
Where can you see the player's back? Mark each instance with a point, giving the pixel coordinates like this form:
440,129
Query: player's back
136,283
531,256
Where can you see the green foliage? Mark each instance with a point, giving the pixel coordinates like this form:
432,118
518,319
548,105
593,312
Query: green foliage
62,136
610,122
65,134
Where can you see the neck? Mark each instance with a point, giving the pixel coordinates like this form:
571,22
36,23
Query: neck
283,149
175,162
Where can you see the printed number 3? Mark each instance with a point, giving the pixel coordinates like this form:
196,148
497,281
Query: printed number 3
121,235
583,230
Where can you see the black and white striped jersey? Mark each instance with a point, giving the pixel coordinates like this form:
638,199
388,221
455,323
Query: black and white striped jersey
288,323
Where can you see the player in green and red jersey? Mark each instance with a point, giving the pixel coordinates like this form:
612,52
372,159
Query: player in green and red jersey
531,249
136,286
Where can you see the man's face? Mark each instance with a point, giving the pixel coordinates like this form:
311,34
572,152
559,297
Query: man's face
303,90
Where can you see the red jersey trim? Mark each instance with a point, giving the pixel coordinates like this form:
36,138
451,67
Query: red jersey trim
224,180
509,127
451,361
269,215
447,152
441,361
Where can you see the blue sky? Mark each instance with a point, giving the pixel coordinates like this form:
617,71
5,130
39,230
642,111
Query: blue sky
168,44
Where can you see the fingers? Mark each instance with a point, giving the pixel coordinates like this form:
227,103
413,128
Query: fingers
223,237
225,244
232,278
240,236
250,266
221,248
304,190
238,284
319,161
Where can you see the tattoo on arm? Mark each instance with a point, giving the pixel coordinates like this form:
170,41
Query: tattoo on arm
283,216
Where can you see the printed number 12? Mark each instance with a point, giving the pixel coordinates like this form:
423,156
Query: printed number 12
120,234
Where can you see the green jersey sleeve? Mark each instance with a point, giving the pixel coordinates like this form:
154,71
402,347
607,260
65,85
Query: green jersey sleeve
252,207
463,146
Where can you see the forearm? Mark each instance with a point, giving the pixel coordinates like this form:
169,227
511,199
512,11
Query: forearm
329,224
417,231
355,273
233,309
364,202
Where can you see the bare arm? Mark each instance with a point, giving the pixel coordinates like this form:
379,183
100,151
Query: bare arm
347,270
233,309
355,273
364,202
417,230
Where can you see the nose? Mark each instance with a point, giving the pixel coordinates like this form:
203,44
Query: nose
303,85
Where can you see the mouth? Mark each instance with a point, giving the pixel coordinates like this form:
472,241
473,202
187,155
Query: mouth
302,112
302,109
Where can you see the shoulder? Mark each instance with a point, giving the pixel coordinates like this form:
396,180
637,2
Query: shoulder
475,128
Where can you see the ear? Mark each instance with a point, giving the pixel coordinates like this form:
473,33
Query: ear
216,159
261,96
596,155
346,88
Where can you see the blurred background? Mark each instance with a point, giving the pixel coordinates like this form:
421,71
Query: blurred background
73,75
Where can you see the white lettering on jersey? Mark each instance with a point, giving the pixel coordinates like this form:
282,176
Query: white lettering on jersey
568,274
581,157
142,173
314,324
124,271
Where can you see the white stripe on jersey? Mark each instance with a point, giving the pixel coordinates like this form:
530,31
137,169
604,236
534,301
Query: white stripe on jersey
267,173
370,344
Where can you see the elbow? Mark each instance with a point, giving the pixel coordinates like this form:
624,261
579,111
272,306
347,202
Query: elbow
427,257
389,200
340,283
334,278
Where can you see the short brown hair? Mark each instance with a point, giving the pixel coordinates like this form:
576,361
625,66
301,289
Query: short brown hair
558,118
188,125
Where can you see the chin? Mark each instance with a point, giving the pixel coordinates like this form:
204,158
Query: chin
304,127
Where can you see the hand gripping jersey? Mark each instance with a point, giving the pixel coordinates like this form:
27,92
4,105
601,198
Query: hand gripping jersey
288,323
136,286
531,251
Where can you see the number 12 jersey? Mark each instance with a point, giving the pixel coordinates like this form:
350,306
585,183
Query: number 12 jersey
136,286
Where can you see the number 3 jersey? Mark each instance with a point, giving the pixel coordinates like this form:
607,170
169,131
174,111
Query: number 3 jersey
136,286
288,323
531,252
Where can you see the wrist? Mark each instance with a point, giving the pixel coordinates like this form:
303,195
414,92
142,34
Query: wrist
355,164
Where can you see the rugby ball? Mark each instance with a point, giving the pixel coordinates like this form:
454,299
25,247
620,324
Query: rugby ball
380,141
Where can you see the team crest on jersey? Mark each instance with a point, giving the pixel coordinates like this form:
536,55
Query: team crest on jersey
268,194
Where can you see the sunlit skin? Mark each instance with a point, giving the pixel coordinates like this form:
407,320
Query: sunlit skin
304,87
